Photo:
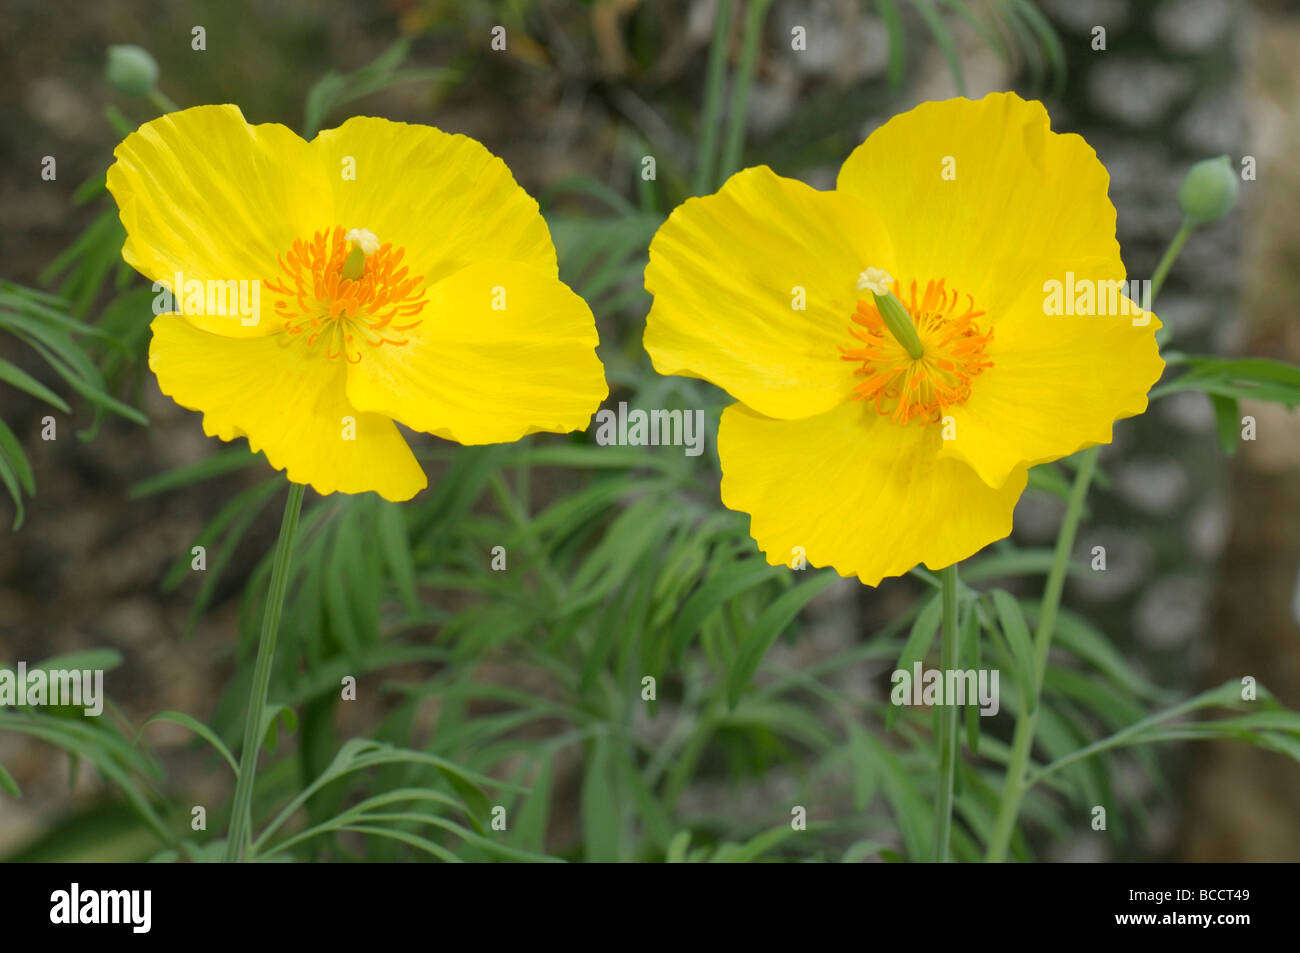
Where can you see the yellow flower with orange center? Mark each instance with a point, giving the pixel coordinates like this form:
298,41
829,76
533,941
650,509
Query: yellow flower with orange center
900,348
325,291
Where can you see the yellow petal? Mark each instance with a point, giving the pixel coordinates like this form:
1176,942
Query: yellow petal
444,198
1057,384
727,273
853,491
503,350
983,194
203,193
290,403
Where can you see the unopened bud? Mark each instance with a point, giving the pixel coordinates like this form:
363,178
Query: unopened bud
1208,192
131,70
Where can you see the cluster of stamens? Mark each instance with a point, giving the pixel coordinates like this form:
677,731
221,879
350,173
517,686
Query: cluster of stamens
342,313
906,388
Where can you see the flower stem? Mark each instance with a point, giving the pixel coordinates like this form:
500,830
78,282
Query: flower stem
1023,740
240,818
947,720
1167,260
162,102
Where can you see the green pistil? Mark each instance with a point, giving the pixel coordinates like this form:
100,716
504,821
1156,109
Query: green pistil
355,266
896,318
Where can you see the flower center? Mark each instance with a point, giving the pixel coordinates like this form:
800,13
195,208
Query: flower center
343,291
906,388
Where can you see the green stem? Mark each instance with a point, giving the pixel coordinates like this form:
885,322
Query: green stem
162,101
1022,741
947,720
240,818
711,118
1017,783
1167,261
734,148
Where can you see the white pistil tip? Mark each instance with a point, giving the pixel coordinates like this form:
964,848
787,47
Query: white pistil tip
367,240
876,280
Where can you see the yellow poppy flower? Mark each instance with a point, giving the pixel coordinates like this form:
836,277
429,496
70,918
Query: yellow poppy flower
986,227
383,272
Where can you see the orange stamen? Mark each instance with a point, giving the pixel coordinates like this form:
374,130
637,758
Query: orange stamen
904,388
317,298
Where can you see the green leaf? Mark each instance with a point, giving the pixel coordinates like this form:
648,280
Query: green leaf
754,848
969,653
357,754
94,659
98,747
943,37
10,480
918,644
215,465
911,809
990,36
406,837
8,783
12,452
865,777
334,89
1113,707
755,644
200,729
85,382
1051,43
1016,630
238,515
1047,477
678,847
1015,562
860,851
893,20
1227,421
602,834
288,721
656,825
710,597
19,378
396,545
1253,378
531,821
1027,43
587,187
92,188
1079,637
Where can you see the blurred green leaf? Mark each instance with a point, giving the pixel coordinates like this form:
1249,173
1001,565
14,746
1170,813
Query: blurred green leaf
1253,378
200,729
1227,421
773,621
8,783
335,89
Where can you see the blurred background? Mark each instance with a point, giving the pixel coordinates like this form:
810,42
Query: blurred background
1203,549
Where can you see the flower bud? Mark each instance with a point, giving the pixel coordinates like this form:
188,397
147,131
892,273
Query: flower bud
131,70
1208,191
